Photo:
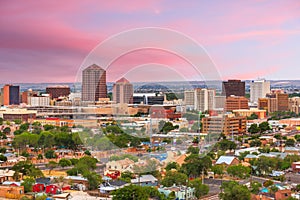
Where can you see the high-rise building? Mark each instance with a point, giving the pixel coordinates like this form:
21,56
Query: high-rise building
200,99
236,103
58,91
282,102
35,100
259,89
233,87
93,83
11,95
123,91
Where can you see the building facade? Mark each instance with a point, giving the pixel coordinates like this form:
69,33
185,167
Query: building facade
93,83
236,103
11,95
259,89
233,87
58,91
123,91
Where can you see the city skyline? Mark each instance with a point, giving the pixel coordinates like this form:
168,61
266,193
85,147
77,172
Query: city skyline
245,40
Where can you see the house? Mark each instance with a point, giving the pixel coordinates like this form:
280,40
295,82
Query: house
250,157
283,194
52,189
120,165
65,196
296,166
38,187
11,192
77,180
292,150
145,180
181,192
11,183
8,175
227,160
111,185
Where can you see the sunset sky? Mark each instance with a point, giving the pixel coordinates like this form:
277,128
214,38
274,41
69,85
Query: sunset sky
47,41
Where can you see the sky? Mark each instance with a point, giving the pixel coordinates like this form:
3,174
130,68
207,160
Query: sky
48,41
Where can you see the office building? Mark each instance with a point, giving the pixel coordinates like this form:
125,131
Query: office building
294,105
58,91
200,99
36,100
259,89
93,83
233,87
123,91
228,124
282,102
236,103
11,95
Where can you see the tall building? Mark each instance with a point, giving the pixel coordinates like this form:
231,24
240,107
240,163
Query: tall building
11,95
233,87
282,102
236,103
259,89
93,83
200,99
123,91
35,100
294,105
58,91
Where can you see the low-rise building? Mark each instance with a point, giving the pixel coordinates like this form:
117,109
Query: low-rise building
145,180
227,160
181,192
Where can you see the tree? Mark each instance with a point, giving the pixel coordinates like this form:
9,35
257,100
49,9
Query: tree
193,150
6,130
290,143
1,121
268,183
87,152
93,179
265,165
232,190
239,171
27,169
172,165
218,169
51,165
64,162
50,154
130,192
195,165
3,158
200,189
255,186
264,126
253,129
28,183
255,143
172,178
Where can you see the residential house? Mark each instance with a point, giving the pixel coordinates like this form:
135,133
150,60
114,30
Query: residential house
145,180
292,150
181,192
227,160
11,192
120,165
283,194
8,175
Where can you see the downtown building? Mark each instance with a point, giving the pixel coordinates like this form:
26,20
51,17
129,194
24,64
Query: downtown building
259,89
93,83
10,95
233,87
275,102
200,99
123,91
58,91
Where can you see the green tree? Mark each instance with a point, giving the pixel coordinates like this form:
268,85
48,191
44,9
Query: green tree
255,143
253,129
172,165
232,190
1,121
3,158
27,169
64,162
264,126
131,192
51,165
218,169
193,150
290,143
255,187
195,165
87,152
239,171
28,183
200,189
172,178
50,154
93,179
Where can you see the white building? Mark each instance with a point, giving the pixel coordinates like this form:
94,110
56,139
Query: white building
43,100
259,89
200,99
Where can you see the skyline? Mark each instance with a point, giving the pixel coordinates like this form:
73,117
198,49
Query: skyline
245,40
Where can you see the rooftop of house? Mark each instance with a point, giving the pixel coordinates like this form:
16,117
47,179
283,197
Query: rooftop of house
225,160
144,178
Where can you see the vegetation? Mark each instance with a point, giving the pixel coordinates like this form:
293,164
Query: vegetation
133,192
232,190
200,189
